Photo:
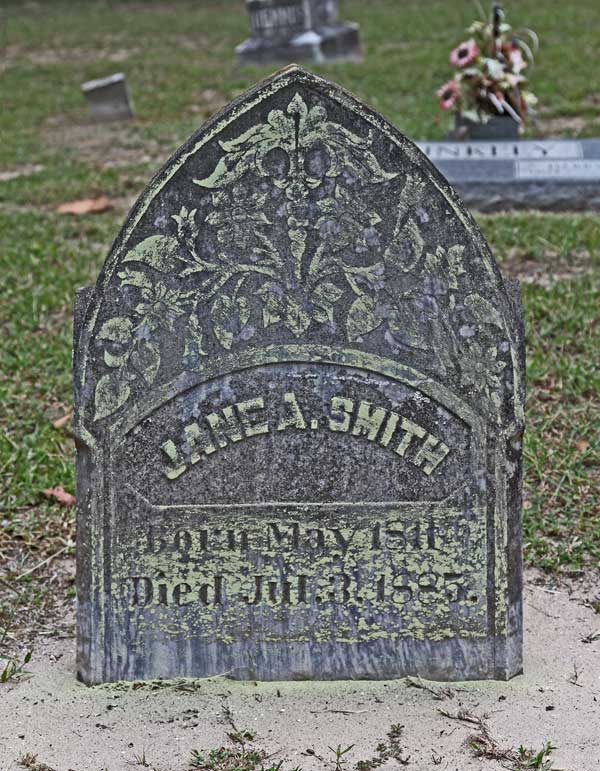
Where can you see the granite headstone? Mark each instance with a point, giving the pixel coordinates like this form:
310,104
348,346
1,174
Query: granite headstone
298,30
299,388
546,174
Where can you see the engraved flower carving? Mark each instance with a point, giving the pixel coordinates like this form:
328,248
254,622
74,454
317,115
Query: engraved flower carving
286,232
345,222
161,306
238,210
480,368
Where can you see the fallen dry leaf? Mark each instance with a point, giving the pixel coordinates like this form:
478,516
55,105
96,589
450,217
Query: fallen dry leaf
60,494
85,206
60,422
21,171
582,445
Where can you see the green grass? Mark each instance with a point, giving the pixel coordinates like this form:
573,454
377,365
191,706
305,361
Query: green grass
179,65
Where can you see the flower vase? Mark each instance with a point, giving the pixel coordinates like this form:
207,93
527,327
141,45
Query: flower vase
497,127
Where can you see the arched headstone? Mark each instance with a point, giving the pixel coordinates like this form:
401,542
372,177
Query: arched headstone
299,410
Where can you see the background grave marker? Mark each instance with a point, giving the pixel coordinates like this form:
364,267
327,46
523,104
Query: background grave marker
108,98
298,30
530,174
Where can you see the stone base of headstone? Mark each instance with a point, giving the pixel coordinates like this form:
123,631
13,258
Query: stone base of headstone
108,98
336,43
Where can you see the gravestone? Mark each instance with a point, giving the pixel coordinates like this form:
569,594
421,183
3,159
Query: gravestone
108,98
547,174
298,30
298,409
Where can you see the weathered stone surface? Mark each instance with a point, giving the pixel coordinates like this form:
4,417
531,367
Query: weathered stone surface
108,98
298,30
550,175
299,407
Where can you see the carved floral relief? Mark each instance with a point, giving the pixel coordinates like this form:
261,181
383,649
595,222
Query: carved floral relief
289,212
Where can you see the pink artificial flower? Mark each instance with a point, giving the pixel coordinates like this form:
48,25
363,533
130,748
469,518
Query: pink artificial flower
448,94
517,61
465,54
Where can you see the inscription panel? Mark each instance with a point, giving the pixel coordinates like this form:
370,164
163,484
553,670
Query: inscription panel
241,530
258,435
276,19
302,573
558,169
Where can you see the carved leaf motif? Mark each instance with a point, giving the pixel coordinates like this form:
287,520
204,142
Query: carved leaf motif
483,310
145,359
110,394
323,298
406,247
455,264
134,278
296,319
229,315
271,295
193,341
362,317
116,333
187,229
112,359
350,151
365,278
157,251
246,152
404,324
116,330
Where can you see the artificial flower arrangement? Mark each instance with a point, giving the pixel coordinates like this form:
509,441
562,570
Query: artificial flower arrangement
490,78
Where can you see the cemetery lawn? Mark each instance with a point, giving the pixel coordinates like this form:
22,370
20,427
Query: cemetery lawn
178,61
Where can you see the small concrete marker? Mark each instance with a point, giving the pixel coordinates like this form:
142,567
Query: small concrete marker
108,98
299,392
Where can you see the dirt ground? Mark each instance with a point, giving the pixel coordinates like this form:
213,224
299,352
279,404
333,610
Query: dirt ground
71,727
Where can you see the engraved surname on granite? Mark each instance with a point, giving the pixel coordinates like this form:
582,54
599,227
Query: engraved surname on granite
264,19
558,169
501,151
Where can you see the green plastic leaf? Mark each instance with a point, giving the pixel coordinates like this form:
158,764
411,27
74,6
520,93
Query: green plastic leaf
157,251
111,393
146,359
362,317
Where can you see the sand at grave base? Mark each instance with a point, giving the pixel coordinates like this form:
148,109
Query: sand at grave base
73,727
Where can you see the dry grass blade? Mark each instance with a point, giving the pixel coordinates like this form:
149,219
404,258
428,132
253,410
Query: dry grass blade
437,691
